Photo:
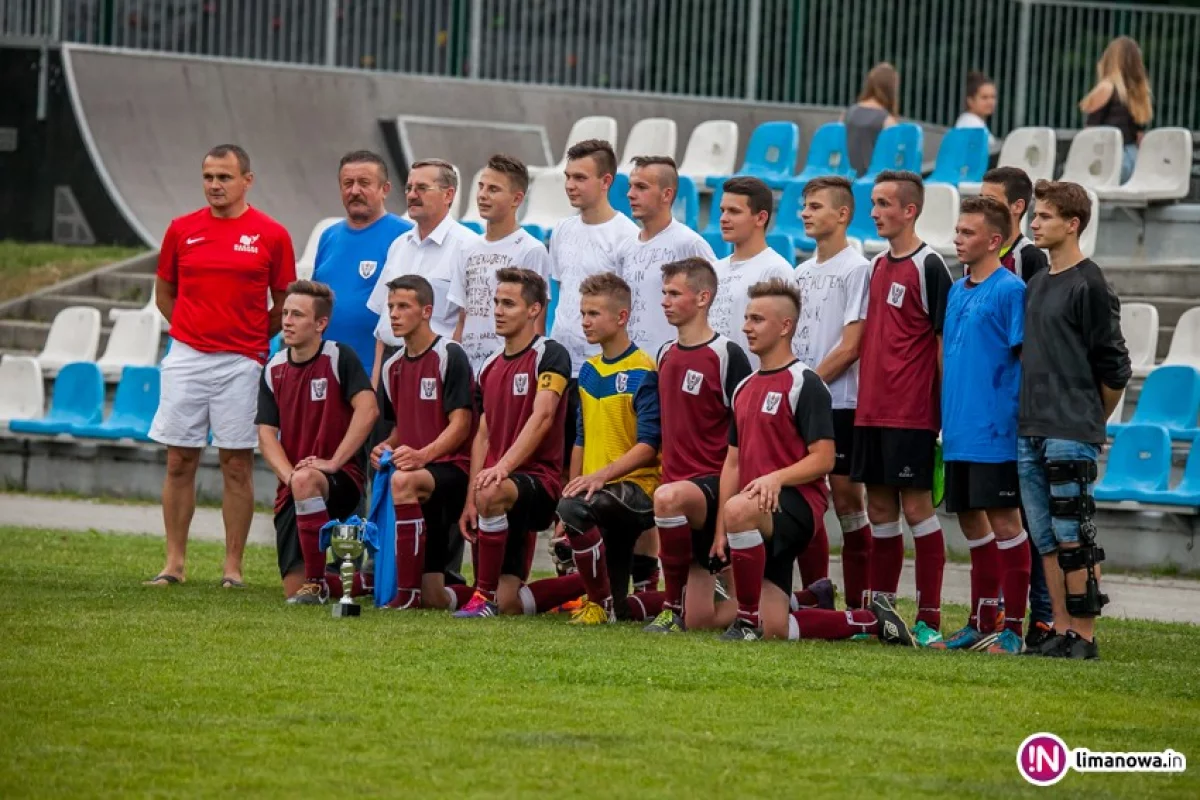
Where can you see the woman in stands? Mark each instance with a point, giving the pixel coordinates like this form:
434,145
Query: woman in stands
1121,97
980,103
877,108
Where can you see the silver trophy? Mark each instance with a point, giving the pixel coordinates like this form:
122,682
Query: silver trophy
347,544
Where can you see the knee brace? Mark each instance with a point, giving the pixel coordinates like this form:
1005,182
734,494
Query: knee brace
1091,602
576,515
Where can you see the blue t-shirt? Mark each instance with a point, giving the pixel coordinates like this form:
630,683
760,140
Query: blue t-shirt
984,329
351,261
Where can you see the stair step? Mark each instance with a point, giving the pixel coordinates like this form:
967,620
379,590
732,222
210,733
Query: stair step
125,286
1170,309
1170,280
46,307
30,335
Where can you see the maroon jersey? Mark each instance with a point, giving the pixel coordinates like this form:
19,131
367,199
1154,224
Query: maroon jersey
695,390
777,413
427,387
1024,259
507,386
310,405
898,358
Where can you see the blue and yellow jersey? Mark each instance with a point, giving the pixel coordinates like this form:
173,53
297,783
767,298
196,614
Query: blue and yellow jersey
618,408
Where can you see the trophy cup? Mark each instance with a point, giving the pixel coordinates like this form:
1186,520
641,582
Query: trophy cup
346,542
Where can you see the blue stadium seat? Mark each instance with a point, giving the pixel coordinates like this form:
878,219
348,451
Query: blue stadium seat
787,216
78,399
861,225
898,147
962,156
618,194
827,154
1187,493
133,408
687,203
721,247
537,232
784,244
714,211
1170,399
1139,465
473,225
770,154
275,347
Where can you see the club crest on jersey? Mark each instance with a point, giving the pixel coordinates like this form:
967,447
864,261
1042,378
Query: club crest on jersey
692,381
428,388
622,381
521,384
896,295
771,402
367,268
246,244
318,388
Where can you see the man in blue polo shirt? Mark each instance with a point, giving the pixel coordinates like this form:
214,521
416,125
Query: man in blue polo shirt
351,254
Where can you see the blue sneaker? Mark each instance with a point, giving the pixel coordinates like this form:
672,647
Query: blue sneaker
1007,643
478,606
968,638
926,636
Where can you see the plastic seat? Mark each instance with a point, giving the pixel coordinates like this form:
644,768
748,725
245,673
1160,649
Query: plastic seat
1170,399
711,151
784,244
1162,170
1139,326
939,216
133,408
151,306
1087,240
861,225
686,207
713,225
898,147
471,211
1185,342
307,262
474,226
1187,493
655,136
1139,464
77,400
1094,160
962,156
787,214
720,247
597,127
770,154
618,194
275,345
827,154
74,336
1031,149
547,201
537,232
22,395
132,343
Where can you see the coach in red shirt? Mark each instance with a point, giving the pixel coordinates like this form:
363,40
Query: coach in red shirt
215,269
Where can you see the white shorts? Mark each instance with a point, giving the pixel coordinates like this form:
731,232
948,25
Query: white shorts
202,391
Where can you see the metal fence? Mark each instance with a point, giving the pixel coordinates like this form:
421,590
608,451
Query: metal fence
1041,53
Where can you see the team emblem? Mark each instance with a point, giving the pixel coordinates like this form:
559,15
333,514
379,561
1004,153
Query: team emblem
692,382
896,295
771,402
318,388
428,388
521,384
367,268
622,381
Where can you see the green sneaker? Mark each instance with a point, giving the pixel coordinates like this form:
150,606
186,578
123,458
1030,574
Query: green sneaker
666,622
925,635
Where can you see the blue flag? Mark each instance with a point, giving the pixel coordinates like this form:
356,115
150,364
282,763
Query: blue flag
383,518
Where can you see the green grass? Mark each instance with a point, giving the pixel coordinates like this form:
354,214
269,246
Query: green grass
26,266
110,688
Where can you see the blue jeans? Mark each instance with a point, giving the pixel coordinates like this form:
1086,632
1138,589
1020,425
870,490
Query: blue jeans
1128,159
1033,452
1040,609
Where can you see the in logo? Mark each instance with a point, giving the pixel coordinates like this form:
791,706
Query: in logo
521,384
772,402
1043,759
367,268
896,295
692,382
318,388
622,381
428,388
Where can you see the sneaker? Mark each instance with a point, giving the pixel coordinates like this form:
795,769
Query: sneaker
1076,648
1038,633
1048,646
825,592
1007,643
892,627
966,638
666,622
569,607
591,614
926,636
478,606
742,631
312,593
404,599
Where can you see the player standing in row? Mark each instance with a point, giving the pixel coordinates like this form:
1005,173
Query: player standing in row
833,304
516,457
502,187
746,207
984,331
697,374
899,405
315,410
430,380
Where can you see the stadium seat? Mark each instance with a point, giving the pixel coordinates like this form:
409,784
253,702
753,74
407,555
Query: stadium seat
939,216
537,232
474,226
1139,463
962,156
132,343
1139,325
21,393
151,306
1162,170
655,136
721,247
618,194
1094,160
1187,493
787,214
686,207
547,201
74,336
770,154
307,261
1117,416
274,347
862,227
77,399
784,244
1031,149
133,408
826,154
711,151
457,203
898,147
584,128
713,225
1170,399
1185,341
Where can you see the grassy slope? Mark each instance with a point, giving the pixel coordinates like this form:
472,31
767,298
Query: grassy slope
107,688
26,267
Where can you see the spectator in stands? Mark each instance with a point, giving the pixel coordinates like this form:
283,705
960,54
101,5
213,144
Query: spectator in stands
980,103
1121,97
877,108
215,269
351,254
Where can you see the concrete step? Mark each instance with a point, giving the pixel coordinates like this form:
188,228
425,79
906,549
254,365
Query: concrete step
125,286
46,307
1165,332
1177,281
30,335
1170,309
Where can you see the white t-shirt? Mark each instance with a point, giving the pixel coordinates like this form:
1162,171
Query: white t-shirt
734,279
641,267
434,258
969,119
473,287
833,294
578,251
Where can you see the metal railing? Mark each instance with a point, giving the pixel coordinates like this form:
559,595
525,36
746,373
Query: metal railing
1041,53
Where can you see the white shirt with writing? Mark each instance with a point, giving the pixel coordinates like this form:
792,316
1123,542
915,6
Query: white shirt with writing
833,294
734,279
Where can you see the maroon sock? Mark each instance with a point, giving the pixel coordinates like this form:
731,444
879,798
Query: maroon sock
1015,563
887,558
410,554
814,560
749,557
645,605
675,553
856,558
822,623
930,546
491,540
311,516
553,592
588,547
334,580
462,594
985,583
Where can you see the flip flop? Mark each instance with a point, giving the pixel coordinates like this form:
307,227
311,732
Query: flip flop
163,579
230,583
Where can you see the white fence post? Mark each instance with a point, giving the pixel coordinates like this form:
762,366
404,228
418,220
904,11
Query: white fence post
753,34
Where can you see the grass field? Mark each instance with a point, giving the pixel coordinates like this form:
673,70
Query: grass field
26,266
110,688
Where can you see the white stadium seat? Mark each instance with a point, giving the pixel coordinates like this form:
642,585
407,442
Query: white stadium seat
1162,170
457,203
1031,149
22,395
151,306
308,259
1094,160
74,336
936,224
655,136
1087,240
711,150
132,343
1185,342
1139,326
584,128
547,201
